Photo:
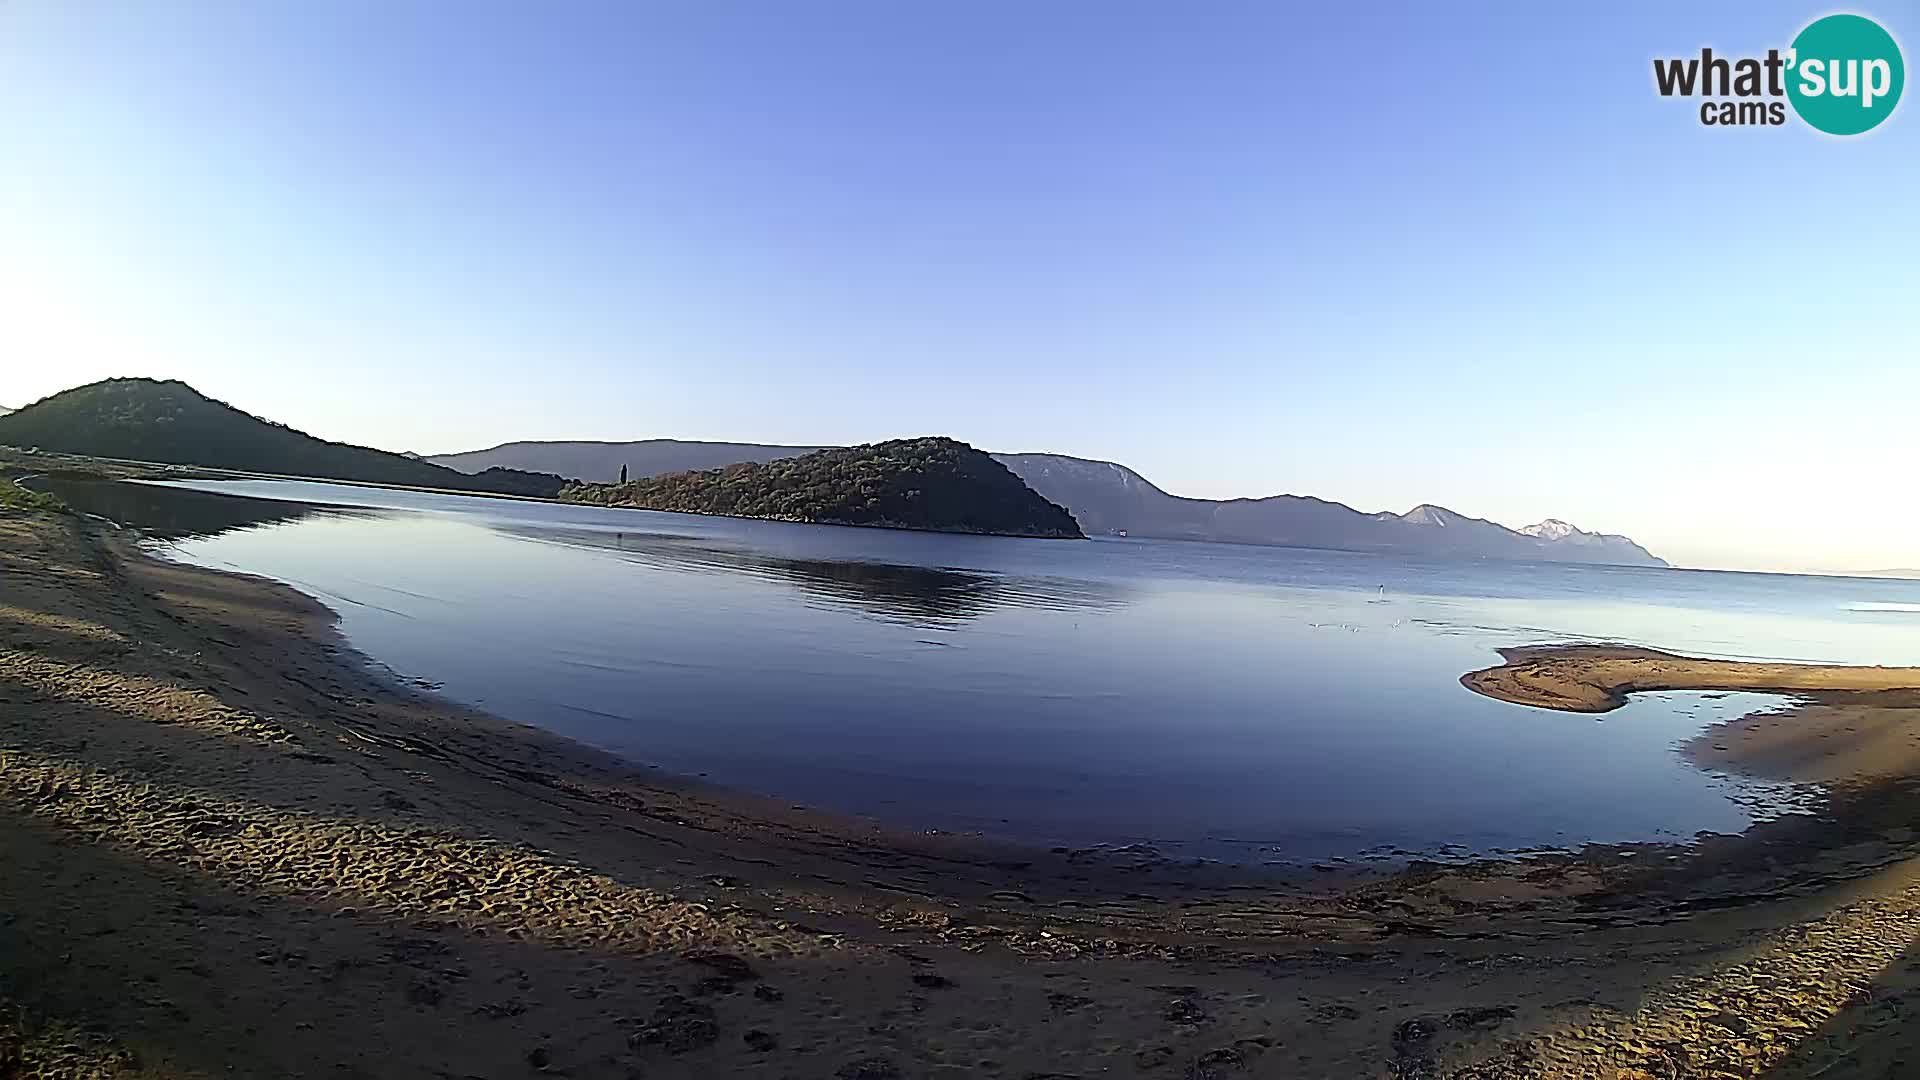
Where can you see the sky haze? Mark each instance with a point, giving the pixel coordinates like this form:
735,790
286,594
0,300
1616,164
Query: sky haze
1384,254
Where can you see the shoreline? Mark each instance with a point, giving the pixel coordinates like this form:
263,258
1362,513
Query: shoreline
883,526
1599,678
1845,728
1136,855
225,841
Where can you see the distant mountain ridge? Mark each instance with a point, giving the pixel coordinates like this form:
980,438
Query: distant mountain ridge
172,423
601,462
1108,498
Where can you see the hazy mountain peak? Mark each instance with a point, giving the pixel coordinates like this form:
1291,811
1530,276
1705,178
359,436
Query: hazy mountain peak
1062,468
1554,529
1429,514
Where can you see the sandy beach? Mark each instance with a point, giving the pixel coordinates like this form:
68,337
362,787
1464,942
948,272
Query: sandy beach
229,847
1598,678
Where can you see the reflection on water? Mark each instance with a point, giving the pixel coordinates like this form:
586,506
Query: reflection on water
1250,704
904,592
167,513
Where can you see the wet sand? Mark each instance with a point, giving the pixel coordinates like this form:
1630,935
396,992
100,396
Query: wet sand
1598,678
1844,727
228,847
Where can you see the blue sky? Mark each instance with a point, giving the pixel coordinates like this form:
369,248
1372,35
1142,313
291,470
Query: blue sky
1385,254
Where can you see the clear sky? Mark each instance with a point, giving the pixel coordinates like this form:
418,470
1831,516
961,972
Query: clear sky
1381,254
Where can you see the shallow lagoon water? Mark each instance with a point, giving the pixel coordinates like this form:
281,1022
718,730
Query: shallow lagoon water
1238,703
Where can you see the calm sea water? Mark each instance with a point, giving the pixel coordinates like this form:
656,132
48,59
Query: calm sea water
1240,703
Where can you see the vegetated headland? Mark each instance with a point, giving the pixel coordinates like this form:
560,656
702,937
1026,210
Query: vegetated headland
930,484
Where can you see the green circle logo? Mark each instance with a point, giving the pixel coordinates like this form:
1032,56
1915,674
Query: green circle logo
1845,74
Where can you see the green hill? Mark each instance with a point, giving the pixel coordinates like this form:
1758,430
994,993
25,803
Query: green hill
170,422
935,484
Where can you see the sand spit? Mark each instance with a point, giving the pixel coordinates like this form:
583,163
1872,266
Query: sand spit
1849,728
1598,678
227,848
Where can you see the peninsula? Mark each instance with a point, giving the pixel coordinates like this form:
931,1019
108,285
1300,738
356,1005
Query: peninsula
929,484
